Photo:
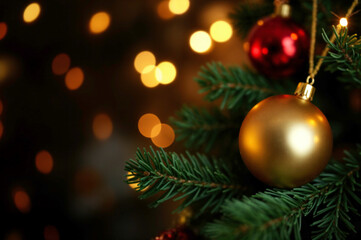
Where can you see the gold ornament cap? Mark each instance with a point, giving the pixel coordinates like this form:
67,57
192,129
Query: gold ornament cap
305,91
283,10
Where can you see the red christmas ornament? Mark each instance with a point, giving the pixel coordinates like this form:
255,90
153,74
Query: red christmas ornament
176,234
278,47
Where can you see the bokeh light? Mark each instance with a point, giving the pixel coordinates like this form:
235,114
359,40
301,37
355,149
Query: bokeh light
144,62
163,10
22,201
1,129
102,126
60,64
132,185
74,78
146,123
343,22
166,136
31,12
51,233
178,6
149,78
99,22
221,31
165,72
200,42
3,30
44,162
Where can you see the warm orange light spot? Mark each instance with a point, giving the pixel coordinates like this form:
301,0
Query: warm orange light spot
165,72
163,10
200,42
74,78
165,138
343,22
60,64
99,22
22,201
3,30
87,181
146,123
149,78
31,12
1,129
178,6
51,233
294,36
221,31
102,126
246,46
44,162
260,22
144,62
132,185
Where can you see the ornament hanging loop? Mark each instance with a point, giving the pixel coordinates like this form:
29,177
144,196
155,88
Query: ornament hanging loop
312,80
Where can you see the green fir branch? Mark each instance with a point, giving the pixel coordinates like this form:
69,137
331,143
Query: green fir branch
236,86
277,214
199,127
191,179
248,13
344,56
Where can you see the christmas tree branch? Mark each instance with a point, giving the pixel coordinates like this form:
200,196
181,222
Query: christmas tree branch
277,214
235,85
193,179
345,56
199,127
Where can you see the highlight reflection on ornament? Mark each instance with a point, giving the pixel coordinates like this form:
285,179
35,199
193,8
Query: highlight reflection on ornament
285,140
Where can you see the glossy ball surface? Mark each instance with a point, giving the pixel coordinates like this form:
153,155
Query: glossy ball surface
285,141
278,47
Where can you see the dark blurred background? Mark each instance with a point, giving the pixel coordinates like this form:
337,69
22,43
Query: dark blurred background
70,102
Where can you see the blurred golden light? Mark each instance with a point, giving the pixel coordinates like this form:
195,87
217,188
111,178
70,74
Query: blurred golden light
343,22
163,10
149,78
294,36
178,6
200,42
1,129
3,30
31,12
132,185
99,22
144,62
4,69
165,72
246,46
260,22
102,126
22,201
44,162
146,123
87,181
74,78
60,64
51,233
221,31
166,136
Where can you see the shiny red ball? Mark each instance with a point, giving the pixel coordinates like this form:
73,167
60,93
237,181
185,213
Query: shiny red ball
176,234
278,47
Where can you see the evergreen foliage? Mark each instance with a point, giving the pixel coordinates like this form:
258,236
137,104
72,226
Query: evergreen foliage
203,128
277,214
239,88
344,56
191,178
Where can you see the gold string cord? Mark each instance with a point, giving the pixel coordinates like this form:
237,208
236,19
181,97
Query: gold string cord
313,71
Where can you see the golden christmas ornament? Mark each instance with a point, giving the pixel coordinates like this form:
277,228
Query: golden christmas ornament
285,140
